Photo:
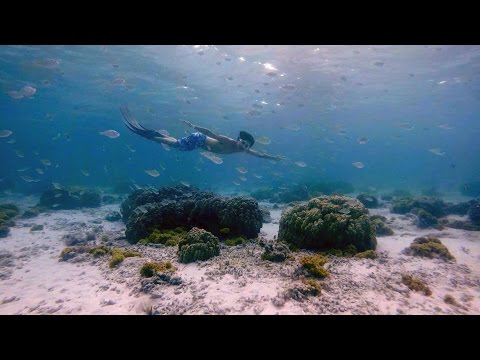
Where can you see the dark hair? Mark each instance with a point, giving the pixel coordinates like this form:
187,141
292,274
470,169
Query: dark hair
247,137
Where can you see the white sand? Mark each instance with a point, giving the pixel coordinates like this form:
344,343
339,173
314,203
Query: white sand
237,282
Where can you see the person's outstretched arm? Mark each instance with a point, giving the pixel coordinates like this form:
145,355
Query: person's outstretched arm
205,131
265,155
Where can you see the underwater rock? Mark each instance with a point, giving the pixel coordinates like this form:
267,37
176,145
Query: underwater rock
30,213
300,292
78,238
149,196
434,206
36,227
7,213
148,284
145,211
416,284
266,218
424,218
328,222
312,265
276,252
459,224
149,269
381,229
430,247
6,263
198,244
113,216
69,198
474,212
369,201
69,253
4,230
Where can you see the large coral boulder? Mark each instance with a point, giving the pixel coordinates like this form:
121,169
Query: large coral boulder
198,244
145,211
328,222
433,206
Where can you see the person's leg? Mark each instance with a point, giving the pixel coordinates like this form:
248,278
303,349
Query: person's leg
168,140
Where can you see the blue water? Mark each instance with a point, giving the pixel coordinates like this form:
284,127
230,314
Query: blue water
312,102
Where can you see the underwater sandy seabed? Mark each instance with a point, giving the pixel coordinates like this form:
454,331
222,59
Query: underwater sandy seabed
34,281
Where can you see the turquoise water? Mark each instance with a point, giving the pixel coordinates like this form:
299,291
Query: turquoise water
409,114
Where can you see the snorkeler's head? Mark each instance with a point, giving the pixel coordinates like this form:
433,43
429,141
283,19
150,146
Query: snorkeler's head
246,139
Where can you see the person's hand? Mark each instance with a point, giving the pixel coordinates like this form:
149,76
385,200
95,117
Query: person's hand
188,123
280,157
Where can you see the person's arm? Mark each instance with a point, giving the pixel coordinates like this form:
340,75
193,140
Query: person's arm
202,130
265,155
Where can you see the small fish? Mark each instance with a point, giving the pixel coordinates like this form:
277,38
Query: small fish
288,87
11,141
19,153
153,173
293,128
15,95
243,178
264,140
445,127
5,133
344,211
55,205
358,164
112,134
85,172
23,169
362,140
81,193
28,91
241,170
58,195
46,162
130,148
57,186
118,81
378,63
184,183
27,178
437,151
213,158
40,171
257,176
300,163
442,82
236,183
